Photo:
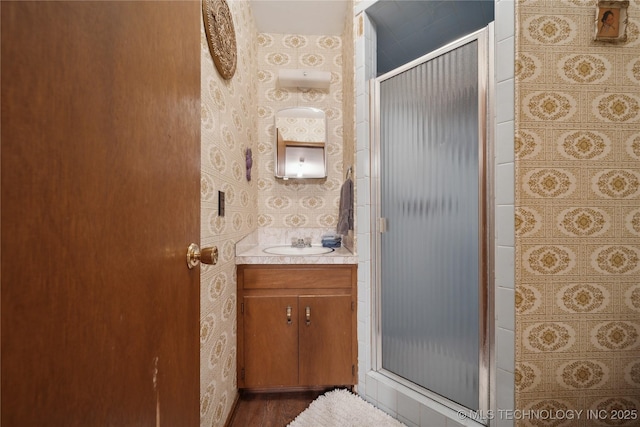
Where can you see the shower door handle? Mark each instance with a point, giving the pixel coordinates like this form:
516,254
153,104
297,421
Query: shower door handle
382,225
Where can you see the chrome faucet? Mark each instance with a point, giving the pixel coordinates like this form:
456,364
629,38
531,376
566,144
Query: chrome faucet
297,242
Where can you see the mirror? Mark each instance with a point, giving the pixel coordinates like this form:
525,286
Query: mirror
301,136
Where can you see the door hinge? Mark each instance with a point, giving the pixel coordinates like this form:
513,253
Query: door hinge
241,308
353,370
242,373
353,306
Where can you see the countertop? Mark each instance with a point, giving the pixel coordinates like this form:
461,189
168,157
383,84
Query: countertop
250,250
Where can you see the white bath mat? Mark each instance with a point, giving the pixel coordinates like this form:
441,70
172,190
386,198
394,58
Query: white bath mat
341,408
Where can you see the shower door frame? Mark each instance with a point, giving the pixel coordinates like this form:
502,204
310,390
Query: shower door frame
486,356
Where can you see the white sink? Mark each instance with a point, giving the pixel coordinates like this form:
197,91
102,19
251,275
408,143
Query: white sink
290,250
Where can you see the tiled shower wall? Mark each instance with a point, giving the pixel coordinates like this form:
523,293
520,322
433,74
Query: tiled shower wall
577,213
228,129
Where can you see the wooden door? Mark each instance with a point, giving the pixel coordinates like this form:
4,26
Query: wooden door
100,198
270,339
325,340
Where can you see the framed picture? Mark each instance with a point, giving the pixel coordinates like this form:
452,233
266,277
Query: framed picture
611,21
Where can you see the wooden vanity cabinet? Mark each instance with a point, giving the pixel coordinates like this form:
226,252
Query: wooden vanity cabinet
296,326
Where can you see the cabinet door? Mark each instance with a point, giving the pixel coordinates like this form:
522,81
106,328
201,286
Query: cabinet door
270,341
325,340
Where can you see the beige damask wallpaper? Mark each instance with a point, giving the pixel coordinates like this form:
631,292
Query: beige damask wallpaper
298,203
228,129
577,214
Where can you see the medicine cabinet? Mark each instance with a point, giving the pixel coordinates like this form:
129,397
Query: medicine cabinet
301,139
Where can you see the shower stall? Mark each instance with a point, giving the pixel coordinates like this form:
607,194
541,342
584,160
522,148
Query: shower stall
431,179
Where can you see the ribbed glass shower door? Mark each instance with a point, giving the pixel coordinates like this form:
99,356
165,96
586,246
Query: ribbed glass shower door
430,251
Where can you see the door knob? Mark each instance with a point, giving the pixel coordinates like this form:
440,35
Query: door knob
196,256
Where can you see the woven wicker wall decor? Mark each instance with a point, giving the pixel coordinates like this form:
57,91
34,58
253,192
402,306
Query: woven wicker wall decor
221,36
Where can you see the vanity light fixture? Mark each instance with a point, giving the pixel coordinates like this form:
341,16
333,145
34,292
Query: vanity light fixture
304,79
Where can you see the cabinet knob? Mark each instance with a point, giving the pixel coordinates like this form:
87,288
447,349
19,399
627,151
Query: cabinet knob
307,314
288,315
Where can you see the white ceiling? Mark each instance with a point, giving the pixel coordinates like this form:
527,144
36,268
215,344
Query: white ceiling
310,17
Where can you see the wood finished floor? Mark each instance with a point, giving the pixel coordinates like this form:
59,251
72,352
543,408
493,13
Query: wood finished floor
271,409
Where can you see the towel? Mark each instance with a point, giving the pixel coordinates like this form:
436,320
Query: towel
345,212
331,241
331,245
